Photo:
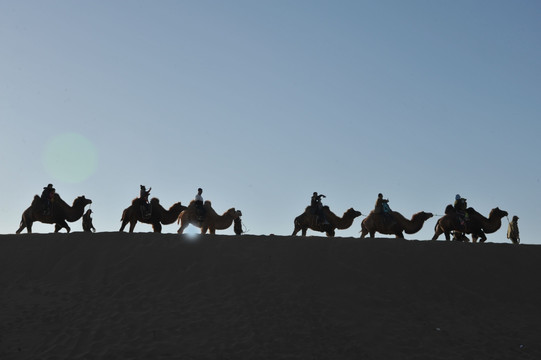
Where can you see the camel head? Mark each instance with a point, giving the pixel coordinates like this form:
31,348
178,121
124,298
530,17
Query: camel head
497,213
177,206
424,215
234,213
353,213
82,200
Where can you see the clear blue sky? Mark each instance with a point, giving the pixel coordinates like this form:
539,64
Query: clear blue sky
261,103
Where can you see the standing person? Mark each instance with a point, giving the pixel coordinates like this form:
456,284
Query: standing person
47,197
87,222
145,205
512,231
199,204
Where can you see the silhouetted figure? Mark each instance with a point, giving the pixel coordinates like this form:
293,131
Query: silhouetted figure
382,207
237,226
199,205
87,222
145,205
512,231
47,198
461,207
317,208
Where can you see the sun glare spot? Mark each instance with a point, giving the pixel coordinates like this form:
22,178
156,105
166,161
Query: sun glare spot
191,236
70,157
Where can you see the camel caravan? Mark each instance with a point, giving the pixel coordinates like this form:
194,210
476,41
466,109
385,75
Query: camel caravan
458,222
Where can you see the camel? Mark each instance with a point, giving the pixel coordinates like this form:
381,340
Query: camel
396,225
211,221
308,220
477,226
59,213
158,215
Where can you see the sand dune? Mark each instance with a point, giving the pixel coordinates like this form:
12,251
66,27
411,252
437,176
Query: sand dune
163,296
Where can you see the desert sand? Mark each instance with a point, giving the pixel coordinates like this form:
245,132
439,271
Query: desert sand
165,296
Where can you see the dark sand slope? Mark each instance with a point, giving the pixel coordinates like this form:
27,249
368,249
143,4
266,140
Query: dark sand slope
151,296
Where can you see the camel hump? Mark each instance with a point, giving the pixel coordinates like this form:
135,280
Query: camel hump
155,200
449,209
208,203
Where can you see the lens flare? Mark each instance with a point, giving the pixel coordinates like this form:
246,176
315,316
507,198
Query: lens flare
70,157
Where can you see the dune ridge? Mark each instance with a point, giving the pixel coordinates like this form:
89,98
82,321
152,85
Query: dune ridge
165,296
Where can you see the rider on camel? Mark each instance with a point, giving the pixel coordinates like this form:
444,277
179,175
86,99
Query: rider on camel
461,207
47,197
317,208
145,205
200,210
382,207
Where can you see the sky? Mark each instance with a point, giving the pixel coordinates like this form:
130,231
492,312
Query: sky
261,103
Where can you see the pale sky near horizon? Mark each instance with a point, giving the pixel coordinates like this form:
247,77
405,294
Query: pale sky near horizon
261,103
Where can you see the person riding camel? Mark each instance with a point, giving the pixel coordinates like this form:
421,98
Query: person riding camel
382,207
47,198
461,207
200,210
317,208
145,205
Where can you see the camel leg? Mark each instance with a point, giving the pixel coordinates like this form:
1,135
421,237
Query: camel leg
21,228
399,235
364,231
295,230
132,225
124,223
372,234
182,227
437,234
483,237
304,230
60,225
157,227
